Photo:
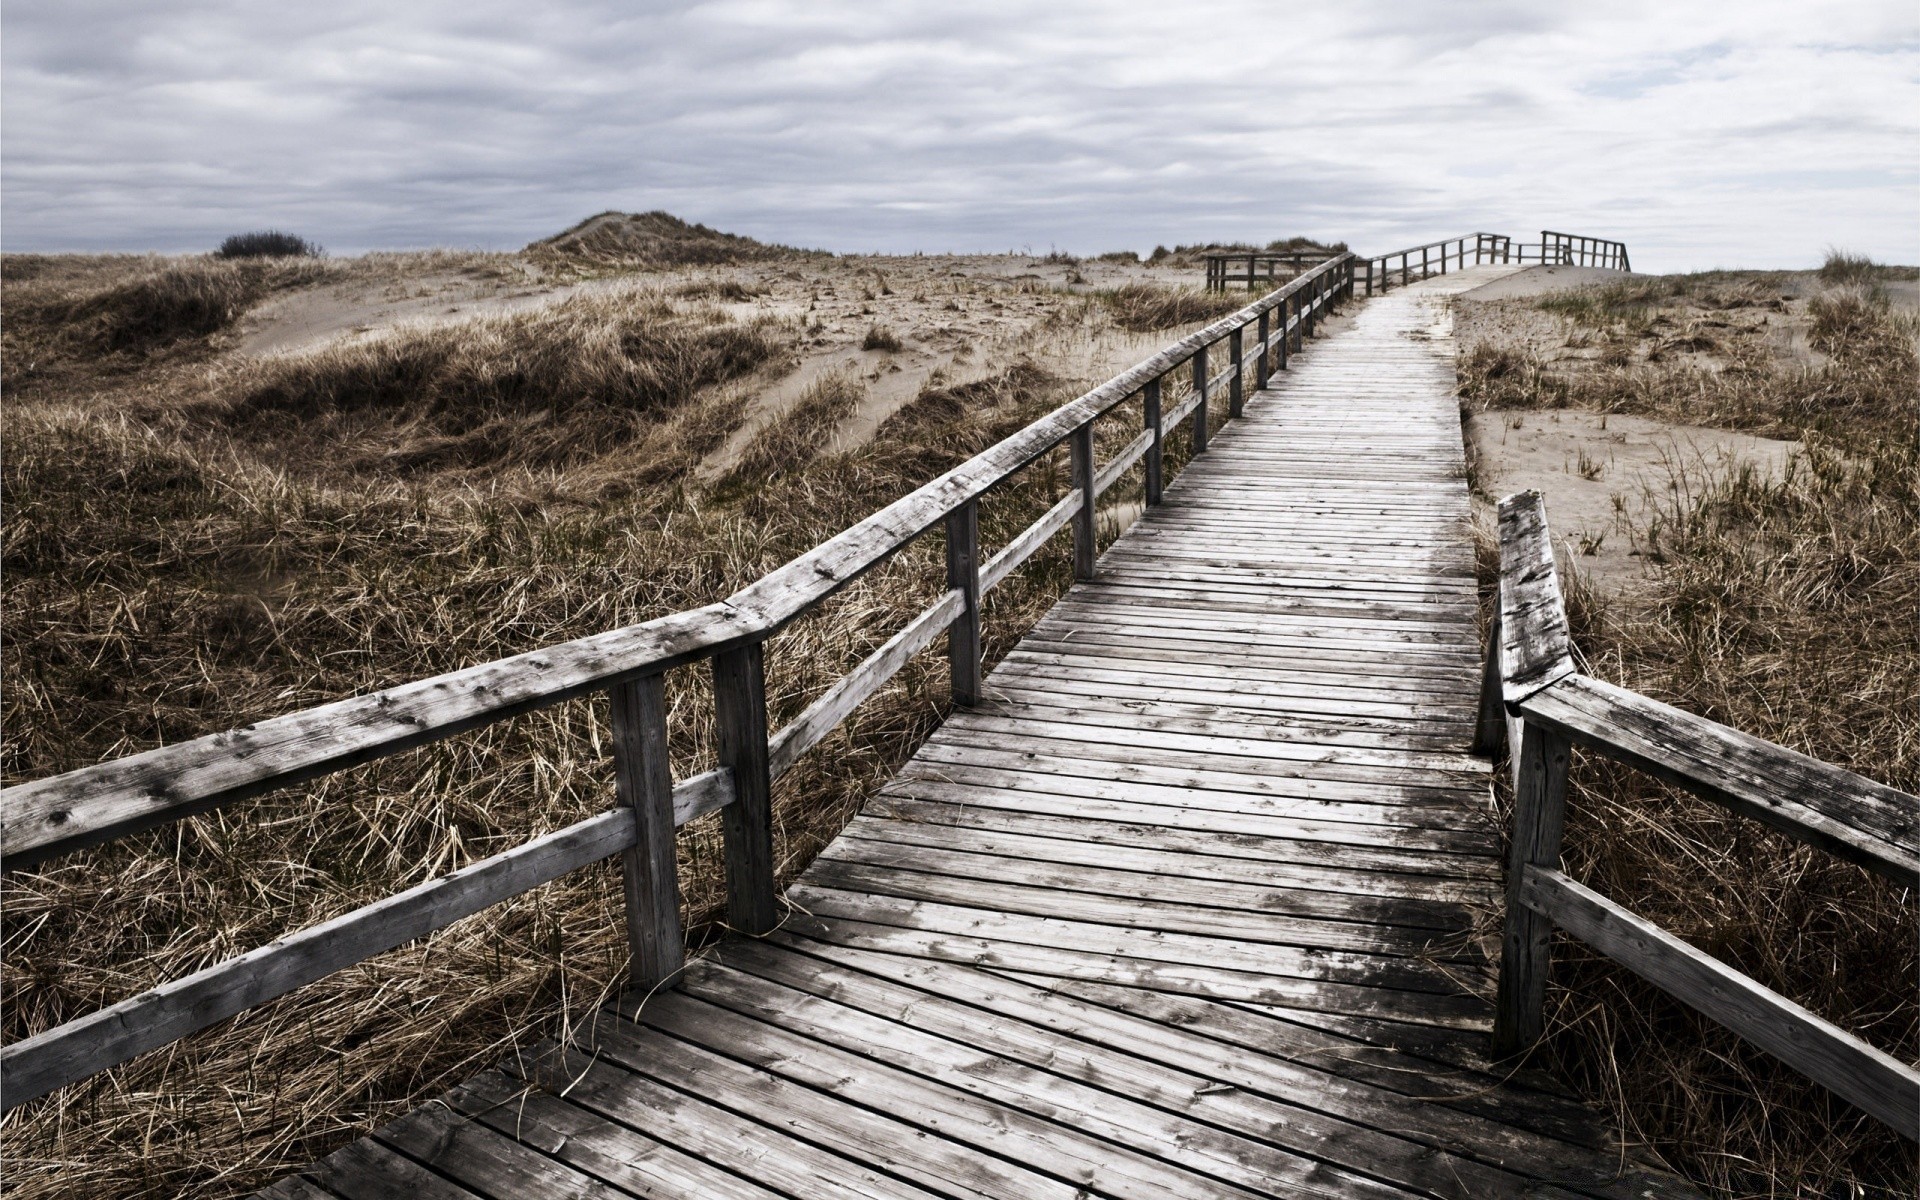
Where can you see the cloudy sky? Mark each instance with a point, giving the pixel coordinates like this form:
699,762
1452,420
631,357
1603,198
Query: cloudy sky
1749,133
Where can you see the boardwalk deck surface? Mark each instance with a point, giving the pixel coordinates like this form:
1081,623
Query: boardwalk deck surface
1185,909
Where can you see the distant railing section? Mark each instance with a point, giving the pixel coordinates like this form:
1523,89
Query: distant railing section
1248,268
48,817
1535,699
1401,267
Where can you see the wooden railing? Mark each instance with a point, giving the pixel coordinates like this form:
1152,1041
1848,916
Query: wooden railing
1535,699
1401,267
1262,266
53,816
1580,251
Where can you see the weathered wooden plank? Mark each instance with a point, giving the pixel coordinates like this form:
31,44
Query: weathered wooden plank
1823,805
1066,958
1869,1079
1535,649
643,779
1311,1112
1134,931
1539,815
1040,1143
1167,1144
825,714
52,816
963,578
740,710
1086,843
793,1141
479,1158
367,1170
1104,823
1017,551
606,1150
1085,527
1122,462
36,1065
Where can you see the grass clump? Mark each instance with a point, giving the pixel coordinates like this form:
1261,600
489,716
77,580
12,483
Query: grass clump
147,310
267,243
545,388
879,337
1788,608
1147,307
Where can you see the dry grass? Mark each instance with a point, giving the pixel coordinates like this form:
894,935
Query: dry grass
1788,608
185,552
1147,307
537,390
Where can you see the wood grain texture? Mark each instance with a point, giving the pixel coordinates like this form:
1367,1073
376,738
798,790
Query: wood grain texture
1840,812
36,1065
1867,1078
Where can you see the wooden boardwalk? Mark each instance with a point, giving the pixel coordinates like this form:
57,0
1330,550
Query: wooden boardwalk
1200,902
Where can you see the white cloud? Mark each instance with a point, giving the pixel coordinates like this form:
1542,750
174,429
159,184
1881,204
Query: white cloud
1703,134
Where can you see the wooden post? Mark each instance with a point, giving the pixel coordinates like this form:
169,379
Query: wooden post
1236,390
1200,409
1492,722
1286,328
1539,813
1263,366
740,704
643,781
1150,395
963,575
1080,446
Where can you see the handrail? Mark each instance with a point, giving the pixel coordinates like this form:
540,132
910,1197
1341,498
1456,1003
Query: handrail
1553,249
96,804
1218,262
1535,697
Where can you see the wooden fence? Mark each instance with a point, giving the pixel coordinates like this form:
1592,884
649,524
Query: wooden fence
1437,258
52,816
1261,267
1534,698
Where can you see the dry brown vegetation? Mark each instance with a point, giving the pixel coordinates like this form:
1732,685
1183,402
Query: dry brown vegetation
1146,307
194,540
1789,608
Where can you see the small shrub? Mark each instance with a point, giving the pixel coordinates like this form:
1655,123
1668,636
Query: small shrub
879,337
1120,256
1843,267
267,243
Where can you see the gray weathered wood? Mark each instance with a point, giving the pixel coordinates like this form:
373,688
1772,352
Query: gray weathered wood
825,714
65,812
1200,400
643,779
1824,805
1236,384
697,795
1156,458
1030,539
1535,648
1869,1079
1539,814
1490,728
36,1065
963,577
740,709
1122,462
1085,529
